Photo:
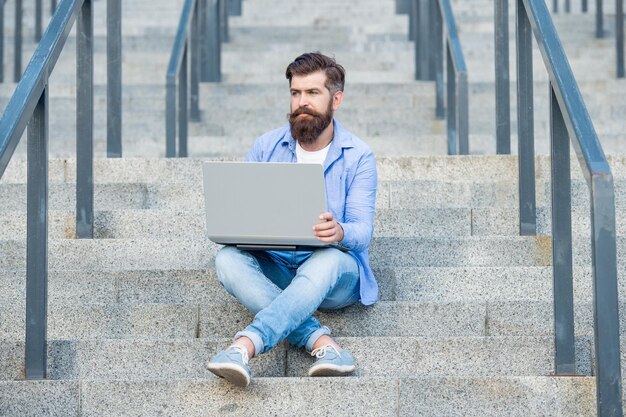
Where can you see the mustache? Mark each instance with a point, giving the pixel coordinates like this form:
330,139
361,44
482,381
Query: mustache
303,110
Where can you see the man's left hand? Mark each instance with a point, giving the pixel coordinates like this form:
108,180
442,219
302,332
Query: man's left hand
328,230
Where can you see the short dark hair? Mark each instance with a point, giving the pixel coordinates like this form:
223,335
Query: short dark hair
312,62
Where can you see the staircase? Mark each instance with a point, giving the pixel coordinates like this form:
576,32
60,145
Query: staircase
464,325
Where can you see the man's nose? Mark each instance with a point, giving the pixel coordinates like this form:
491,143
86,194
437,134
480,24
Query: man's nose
303,102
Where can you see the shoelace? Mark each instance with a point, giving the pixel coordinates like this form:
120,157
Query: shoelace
243,352
319,353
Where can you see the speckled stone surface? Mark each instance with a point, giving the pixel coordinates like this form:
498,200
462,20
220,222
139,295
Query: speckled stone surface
190,223
496,397
488,251
385,319
116,254
264,397
137,359
537,317
462,356
423,193
456,168
63,196
484,283
476,168
39,398
425,222
129,254
110,321
170,286
65,287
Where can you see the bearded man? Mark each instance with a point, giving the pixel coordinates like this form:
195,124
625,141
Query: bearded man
284,288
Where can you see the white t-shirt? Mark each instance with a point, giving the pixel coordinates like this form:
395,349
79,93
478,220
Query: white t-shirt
315,157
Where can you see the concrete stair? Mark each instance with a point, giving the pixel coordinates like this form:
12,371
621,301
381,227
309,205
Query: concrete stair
464,325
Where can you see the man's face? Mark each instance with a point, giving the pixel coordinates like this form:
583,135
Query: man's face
312,106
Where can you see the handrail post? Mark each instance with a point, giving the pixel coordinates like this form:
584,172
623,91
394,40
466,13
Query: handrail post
38,19
605,297
424,51
84,122
223,8
194,113
462,113
17,51
114,78
453,144
234,7
413,24
562,275
183,118
170,118
214,43
584,6
555,6
403,7
36,352
203,39
2,41
503,99
53,7
599,20
440,112
619,34
568,6
525,124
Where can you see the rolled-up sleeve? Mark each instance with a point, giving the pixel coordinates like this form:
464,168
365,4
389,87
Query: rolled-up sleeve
358,224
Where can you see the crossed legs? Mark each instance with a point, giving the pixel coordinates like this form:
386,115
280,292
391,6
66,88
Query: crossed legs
284,289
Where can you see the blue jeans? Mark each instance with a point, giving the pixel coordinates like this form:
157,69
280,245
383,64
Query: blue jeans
283,289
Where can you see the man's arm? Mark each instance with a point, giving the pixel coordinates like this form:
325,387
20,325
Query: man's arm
356,231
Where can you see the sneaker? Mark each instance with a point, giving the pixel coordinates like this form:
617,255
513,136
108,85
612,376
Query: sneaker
331,362
232,365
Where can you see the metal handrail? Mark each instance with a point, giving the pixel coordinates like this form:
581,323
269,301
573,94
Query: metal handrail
114,63
202,29
114,78
569,119
456,87
29,107
432,25
18,33
177,72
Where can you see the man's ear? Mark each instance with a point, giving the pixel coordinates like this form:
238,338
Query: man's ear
337,99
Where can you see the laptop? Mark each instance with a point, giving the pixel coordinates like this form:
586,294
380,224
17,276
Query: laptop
264,205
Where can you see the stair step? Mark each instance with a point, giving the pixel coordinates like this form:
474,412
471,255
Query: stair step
375,357
434,319
371,397
128,254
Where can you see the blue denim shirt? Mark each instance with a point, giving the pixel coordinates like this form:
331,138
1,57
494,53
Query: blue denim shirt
351,180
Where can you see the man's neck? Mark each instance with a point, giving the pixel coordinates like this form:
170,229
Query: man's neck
322,140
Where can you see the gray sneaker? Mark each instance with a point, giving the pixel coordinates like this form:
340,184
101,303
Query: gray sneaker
331,362
232,365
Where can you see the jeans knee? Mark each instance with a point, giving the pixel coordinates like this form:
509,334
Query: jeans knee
225,260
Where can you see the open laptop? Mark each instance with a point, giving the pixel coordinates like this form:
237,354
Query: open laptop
264,205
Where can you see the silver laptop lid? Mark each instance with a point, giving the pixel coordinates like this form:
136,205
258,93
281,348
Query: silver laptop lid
263,203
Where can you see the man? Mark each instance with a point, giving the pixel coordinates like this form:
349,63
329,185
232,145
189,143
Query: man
284,288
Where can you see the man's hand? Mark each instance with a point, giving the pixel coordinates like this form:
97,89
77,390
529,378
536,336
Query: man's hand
328,230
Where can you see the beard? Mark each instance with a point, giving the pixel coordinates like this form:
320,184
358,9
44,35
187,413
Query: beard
306,130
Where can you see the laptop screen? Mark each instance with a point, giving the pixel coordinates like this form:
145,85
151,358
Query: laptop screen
263,203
